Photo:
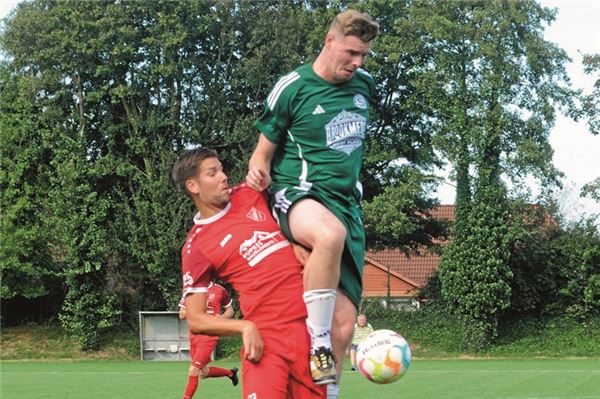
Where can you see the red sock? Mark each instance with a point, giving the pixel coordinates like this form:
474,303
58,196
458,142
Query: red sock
191,386
218,372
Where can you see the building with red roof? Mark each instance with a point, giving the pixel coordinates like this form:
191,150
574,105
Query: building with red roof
400,275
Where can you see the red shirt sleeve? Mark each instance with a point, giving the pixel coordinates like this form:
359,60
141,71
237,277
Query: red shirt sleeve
196,269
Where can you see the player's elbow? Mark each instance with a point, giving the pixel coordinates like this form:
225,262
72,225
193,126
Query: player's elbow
196,326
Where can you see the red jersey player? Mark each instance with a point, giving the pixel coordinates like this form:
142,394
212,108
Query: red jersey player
235,239
202,346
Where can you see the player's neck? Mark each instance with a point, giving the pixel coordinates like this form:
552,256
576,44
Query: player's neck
319,66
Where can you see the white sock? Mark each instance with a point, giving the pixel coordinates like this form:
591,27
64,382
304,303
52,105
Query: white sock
320,305
333,390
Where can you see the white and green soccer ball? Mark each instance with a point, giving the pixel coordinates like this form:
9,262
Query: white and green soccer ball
383,356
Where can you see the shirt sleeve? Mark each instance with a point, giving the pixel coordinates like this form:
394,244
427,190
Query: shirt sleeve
275,119
197,272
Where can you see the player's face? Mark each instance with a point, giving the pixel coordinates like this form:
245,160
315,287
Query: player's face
210,185
348,53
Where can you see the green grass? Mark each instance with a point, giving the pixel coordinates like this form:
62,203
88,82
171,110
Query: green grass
426,379
50,342
557,361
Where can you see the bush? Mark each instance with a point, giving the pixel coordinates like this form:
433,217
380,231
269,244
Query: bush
431,331
434,332
555,337
229,347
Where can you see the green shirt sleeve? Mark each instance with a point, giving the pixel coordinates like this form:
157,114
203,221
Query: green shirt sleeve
276,117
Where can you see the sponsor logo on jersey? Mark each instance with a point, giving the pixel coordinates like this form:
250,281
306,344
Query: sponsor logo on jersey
262,244
256,215
360,101
225,240
187,279
346,131
318,110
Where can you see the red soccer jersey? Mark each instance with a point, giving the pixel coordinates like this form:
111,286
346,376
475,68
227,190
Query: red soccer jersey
243,246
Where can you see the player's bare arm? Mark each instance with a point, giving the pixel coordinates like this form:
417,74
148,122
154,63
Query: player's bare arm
259,167
200,322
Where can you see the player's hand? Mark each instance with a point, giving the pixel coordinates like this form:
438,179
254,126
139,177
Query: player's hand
258,179
301,253
253,344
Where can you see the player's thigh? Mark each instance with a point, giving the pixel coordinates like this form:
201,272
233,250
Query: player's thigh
311,222
266,379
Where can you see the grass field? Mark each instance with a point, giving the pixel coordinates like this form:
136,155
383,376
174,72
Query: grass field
426,379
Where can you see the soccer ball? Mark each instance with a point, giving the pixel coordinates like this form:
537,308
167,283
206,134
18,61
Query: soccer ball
383,356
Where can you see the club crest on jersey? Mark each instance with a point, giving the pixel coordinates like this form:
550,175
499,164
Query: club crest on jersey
187,279
256,215
262,244
360,101
346,131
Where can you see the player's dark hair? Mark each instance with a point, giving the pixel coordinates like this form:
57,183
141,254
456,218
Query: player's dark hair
188,163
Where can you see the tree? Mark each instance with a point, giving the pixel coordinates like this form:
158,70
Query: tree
27,267
534,286
492,83
591,102
591,106
399,155
104,95
100,98
576,253
592,189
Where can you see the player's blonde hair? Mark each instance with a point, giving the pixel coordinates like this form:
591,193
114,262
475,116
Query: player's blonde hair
355,23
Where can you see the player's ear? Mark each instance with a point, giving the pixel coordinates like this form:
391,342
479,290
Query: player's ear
192,186
329,38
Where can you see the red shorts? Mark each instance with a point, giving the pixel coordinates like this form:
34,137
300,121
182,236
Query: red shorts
283,370
201,347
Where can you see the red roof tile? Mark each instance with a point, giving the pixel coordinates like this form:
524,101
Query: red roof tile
444,212
410,273
416,268
376,282
407,273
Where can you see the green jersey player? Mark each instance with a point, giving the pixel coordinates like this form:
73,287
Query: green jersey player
310,149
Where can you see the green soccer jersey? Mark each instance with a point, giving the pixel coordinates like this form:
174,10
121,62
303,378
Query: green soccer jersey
319,128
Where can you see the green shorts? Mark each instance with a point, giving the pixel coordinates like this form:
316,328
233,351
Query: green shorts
349,213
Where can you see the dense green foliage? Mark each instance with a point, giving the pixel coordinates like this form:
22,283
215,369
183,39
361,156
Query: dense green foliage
492,83
98,98
591,102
